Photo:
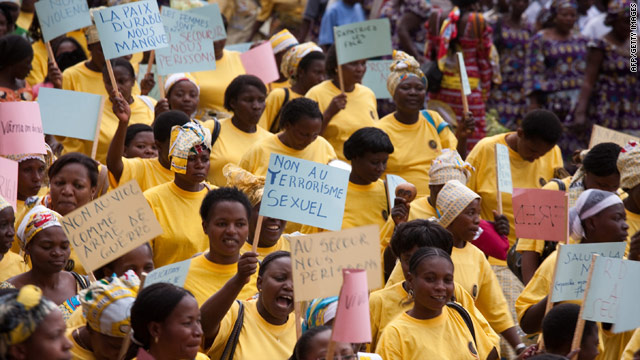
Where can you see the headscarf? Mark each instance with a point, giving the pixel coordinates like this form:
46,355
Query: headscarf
91,32
13,49
190,138
47,158
403,67
175,78
3,203
590,203
629,165
20,314
555,7
449,166
106,304
291,59
36,220
452,200
251,185
320,312
282,41
448,31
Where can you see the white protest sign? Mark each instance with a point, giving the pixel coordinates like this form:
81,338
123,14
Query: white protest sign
466,88
392,183
58,17
503,167
375,78
175,274
362,40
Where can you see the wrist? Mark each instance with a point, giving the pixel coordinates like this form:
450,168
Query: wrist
519,348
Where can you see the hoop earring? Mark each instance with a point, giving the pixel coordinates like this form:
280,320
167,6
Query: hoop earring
411,293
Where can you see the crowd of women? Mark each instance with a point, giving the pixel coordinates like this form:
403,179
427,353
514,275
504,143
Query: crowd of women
540,74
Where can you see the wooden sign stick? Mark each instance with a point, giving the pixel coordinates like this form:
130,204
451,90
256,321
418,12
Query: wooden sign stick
499,194
94,147
340,79
161,86
577,335
464,84
256,235
52,57
112,77
152,57
126,342
297,307
550,296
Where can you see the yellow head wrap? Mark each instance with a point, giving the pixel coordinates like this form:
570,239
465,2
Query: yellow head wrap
404,66
291,60
282,41
452,200
3,203
629,165
249,184
190,138
449,166
36,220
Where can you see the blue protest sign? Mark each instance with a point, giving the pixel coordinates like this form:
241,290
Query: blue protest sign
376,77
216,26
58,17
362,40
241,48
175,274
70,113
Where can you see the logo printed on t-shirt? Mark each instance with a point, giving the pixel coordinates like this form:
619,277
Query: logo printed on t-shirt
433,144
472,349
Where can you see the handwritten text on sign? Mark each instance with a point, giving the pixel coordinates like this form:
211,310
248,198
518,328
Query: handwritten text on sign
573,266
375,78
352,323
212,13
540,214
58,17
305,192
362,40
130,28
111,226
9,181
503,167
21,128
175,274
601,134
318,260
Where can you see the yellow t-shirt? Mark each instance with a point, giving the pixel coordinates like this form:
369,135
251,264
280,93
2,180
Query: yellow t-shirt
141,113
405,161
80,78
147,172
205,278
258,338
473,272
290,9
278,85
213,83
231,144
633,220
524,174
177,212
274,102
11,265
361,111
632,346
282,245
24,19
418,209
39,68
77,351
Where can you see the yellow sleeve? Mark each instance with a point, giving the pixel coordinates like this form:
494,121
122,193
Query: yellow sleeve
480,322
375,308
389,344
537,288
448,139
397,276
250,159
491,301
39,66
273,105
632,346
266,8
226,326
477,158
485,341
385,234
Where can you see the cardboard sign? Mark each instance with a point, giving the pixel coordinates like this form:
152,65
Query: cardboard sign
503,167
70,113
466,88
261,62
190,46
9,181
601,134
573,265
58,17
21,128
111,226
540,214
352,324
304,192
241,48
376,77
175,274
392,183
216,26
362,40
318,260
130,28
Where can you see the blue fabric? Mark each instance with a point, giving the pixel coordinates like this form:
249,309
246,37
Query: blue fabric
338,14
440,127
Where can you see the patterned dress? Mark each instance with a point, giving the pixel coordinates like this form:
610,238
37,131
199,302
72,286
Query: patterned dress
394,12
23,94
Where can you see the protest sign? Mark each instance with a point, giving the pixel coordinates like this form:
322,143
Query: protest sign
241,48
111,226
392,183
362,40
261,62
352,324
190,46
601,134
304,192
130,28
376,77
464,79
9,181
573,265
175,274
70,113
21,128
216,26
540,214
503,169
318,260
58,17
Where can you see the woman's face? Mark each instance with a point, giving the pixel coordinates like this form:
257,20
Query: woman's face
313,75
609,225
218,48
139,260
566,18
47,342
71,188
184,97
303,132
353,72
7,232
30,176
124,80
179,336
142,145
197,168
271,229
410,95
518,6
227,228
22,68
432,285
49,250
465,226
65,47
105,347
276,290
318,347
249,105
370,166
589,346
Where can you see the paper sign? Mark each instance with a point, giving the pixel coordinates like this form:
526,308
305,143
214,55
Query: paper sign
601,134
111,226
190,46
58,17
130,28
464,79
261,62
21,128
628,316
241,48
392,183
304,192
70,113
573,265
362,40
375,78
9,181
352,324
318,260
216,26
540,214
175,274
503,167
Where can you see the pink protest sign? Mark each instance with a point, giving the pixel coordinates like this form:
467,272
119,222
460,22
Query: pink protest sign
261,62
540,214
21,128
352,317
9,181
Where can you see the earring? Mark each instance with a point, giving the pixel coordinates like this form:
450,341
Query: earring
156,339
411,293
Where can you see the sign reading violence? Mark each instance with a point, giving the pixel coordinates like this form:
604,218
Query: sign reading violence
58,17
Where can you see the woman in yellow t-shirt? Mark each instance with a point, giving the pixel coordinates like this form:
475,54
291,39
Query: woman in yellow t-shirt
182,93
11,264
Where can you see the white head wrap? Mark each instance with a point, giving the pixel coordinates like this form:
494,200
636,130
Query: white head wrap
590,203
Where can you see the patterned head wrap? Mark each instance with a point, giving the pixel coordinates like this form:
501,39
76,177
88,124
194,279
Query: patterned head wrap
20,314
190,138
91,32
4,203
293,56
249,184
282,41
47,158
590,203
320,312
36,220
403,67
629,165
452,200
175,78
449,166
106,304
448,31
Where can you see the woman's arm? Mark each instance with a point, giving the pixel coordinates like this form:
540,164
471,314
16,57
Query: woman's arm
116,149
337,103
531,321
409,24
530,263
